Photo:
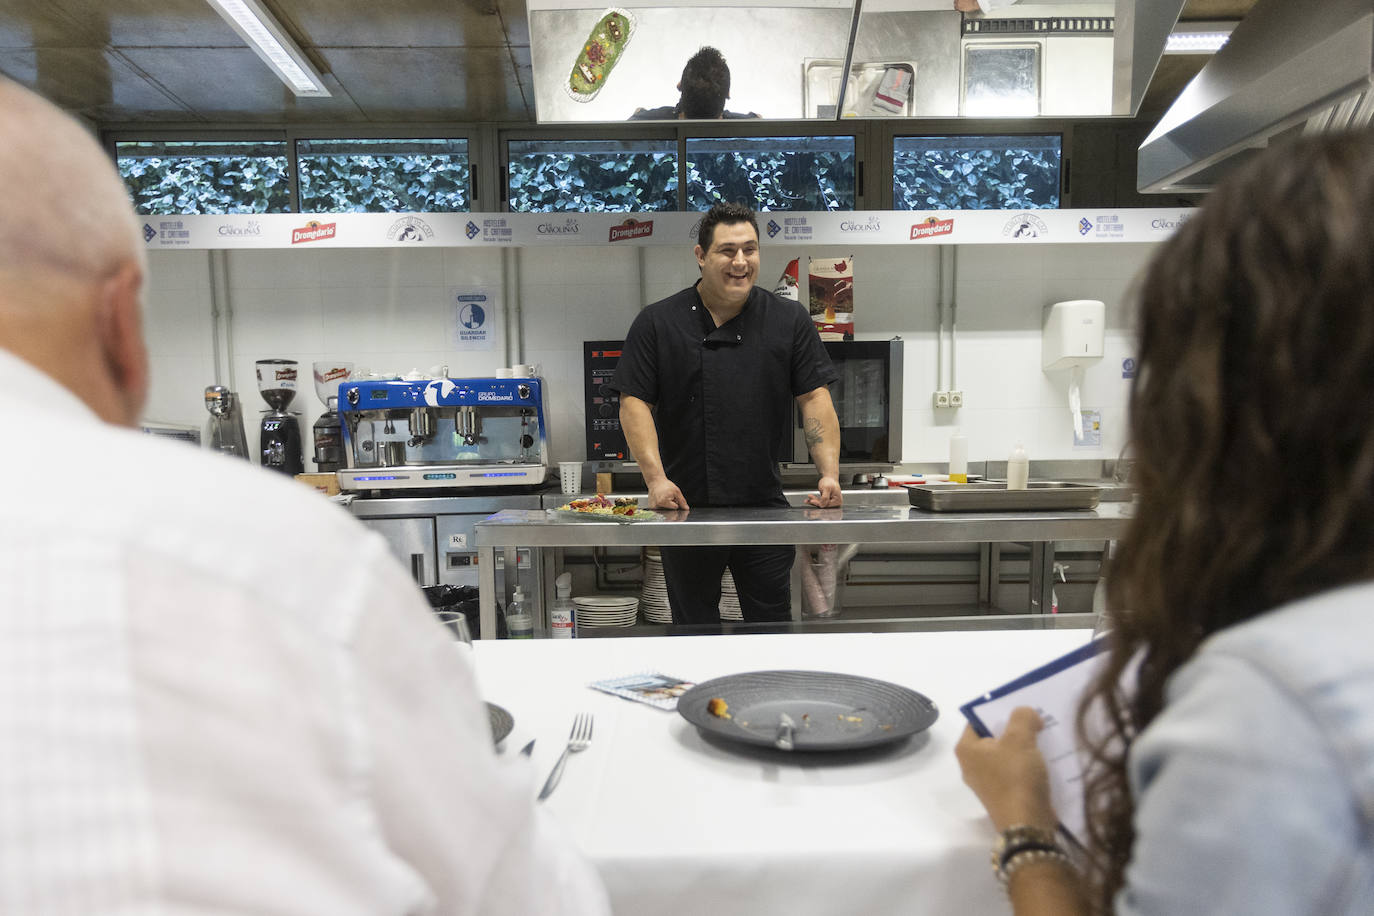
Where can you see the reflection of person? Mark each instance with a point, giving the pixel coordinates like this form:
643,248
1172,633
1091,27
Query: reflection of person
703,88
982,6
707,382
1235,774
220,693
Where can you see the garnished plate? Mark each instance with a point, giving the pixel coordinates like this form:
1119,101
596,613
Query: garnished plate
808,710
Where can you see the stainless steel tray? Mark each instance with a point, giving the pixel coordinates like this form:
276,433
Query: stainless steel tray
993,496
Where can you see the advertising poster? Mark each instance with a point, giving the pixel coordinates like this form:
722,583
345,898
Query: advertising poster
475,311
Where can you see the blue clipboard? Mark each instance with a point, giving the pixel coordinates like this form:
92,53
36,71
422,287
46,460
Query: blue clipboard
1049,669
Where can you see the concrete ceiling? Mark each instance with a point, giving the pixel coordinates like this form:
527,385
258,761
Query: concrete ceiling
121,62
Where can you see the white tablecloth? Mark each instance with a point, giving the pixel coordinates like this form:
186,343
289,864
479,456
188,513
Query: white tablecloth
680,825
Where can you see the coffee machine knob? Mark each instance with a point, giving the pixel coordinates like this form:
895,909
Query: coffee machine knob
523,391
352,396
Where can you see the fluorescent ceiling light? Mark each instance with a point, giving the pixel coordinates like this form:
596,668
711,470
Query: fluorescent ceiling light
266,37
1198,37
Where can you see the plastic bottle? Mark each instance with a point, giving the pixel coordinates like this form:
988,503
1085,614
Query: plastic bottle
1018,469
958,458
563,614
519,624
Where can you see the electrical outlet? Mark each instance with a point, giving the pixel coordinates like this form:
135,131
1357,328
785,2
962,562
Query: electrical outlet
941,398
956,399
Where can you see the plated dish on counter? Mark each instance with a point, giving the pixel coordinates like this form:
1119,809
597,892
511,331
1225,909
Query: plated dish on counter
605,509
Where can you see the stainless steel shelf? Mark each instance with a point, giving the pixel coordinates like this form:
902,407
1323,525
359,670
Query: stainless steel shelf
538,528
846,525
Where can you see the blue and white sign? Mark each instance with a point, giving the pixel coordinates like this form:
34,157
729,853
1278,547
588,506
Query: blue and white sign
474,318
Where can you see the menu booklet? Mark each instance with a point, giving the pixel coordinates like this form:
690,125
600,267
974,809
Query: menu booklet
658,690
1053,690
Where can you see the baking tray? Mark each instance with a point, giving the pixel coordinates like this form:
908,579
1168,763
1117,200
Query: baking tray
993,496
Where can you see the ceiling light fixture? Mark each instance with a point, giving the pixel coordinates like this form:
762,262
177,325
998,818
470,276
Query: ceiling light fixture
1198,37
270,41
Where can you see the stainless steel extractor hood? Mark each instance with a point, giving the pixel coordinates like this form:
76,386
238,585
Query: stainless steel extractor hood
1288,66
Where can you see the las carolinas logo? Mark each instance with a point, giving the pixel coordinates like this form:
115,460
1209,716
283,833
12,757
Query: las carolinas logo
932,227
313,231
630,229
1168,224
570,226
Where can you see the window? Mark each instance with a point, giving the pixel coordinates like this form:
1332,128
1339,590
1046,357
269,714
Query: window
592,175
383,176
772,173
168,178
976,172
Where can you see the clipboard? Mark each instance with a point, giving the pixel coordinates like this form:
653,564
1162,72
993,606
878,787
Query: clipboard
1054,690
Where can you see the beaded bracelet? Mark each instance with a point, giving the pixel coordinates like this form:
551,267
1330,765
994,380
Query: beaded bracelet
1029,856
1021,844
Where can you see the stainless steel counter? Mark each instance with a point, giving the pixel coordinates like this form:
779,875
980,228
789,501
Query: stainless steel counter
512,528
846,525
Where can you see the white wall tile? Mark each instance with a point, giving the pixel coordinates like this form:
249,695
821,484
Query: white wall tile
394,267
178,322
392,310
181,270
273,268
176,391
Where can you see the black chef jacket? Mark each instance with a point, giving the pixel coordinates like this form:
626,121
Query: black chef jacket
723,396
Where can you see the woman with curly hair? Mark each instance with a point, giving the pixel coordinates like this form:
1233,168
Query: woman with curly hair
1233,767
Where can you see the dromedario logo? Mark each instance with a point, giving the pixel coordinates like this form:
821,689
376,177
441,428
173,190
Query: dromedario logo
932,227
632,229
313,231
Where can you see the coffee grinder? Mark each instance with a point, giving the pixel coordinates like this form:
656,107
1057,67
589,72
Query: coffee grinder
279,442
224,429
328,435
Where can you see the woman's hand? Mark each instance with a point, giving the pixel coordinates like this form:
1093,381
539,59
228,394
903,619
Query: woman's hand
1008,774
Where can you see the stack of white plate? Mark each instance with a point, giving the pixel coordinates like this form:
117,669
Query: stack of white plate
653,597
729,600
602,611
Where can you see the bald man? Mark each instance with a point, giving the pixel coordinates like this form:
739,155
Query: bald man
218,693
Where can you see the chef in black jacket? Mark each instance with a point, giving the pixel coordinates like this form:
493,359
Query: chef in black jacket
707,380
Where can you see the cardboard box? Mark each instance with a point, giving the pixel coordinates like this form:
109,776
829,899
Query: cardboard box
328,484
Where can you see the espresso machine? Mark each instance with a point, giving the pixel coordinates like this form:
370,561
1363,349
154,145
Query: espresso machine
224,430
279,442
442,433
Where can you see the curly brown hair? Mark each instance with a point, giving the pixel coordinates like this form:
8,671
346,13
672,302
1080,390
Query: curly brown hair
1252,421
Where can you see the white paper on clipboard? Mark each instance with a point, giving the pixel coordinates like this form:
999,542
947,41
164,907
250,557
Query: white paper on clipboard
1053,690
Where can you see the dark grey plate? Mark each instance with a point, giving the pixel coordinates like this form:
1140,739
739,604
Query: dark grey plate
832,712
501,722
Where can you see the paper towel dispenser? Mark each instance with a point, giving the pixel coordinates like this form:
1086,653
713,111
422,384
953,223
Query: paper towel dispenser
1073,334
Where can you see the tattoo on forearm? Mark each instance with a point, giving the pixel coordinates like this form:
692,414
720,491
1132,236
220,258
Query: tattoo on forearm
812,430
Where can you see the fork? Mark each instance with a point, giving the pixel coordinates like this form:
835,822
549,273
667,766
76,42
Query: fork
578,739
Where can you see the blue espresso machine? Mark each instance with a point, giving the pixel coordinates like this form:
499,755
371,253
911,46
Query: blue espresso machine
442,433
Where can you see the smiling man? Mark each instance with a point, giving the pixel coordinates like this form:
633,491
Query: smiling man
707,382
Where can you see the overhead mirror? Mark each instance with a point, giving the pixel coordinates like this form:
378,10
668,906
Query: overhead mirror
837,59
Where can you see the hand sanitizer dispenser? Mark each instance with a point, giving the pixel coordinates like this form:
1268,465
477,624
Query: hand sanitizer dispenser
1073,334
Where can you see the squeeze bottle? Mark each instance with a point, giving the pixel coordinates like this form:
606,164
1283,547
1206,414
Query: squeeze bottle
1018,469
958,458
519,625
563,614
